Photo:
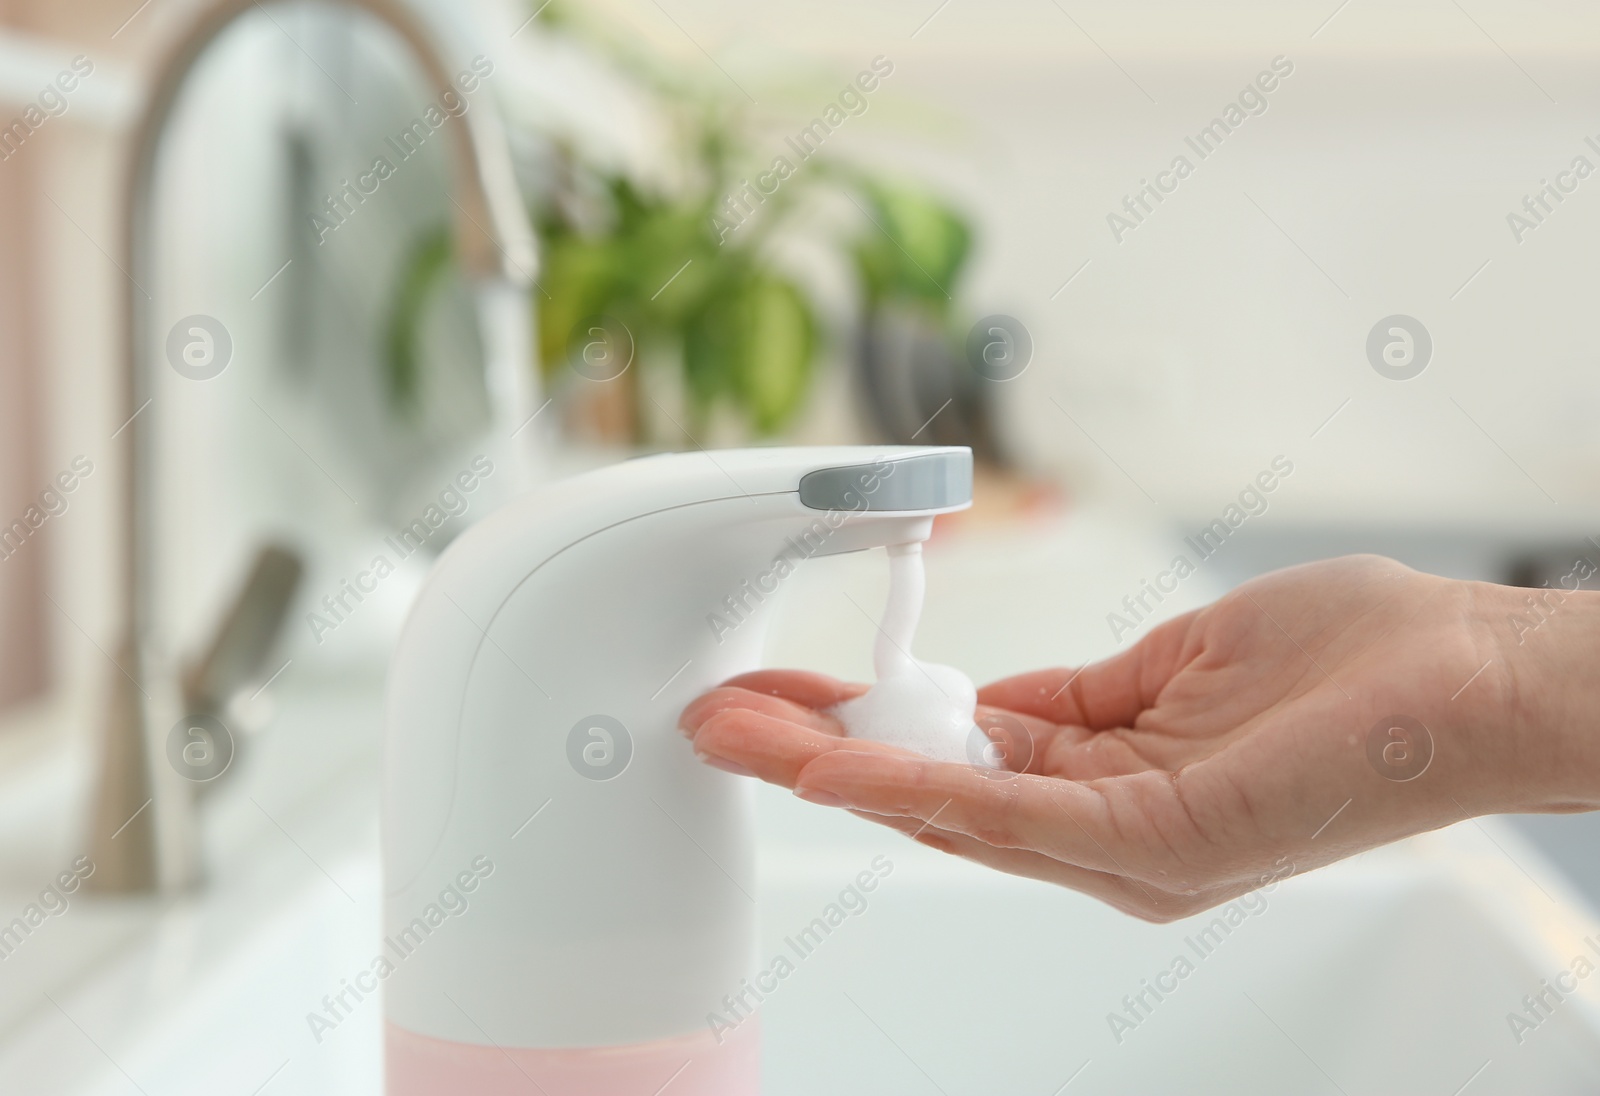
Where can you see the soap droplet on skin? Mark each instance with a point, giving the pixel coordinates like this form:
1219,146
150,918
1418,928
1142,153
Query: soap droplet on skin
918,706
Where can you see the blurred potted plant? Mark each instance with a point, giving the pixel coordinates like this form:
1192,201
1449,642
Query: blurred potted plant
639,278
910,354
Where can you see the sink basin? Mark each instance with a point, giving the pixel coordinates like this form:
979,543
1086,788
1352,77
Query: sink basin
1392,973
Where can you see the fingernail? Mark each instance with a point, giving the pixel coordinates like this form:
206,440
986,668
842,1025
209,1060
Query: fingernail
726,766
820,797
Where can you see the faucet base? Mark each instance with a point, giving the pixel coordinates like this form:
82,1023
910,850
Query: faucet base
122,834
694,1065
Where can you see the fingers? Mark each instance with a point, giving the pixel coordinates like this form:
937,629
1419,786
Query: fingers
817,691
1132,826
1023,743
730,697
771,747
1028,744
1101,695
1044,694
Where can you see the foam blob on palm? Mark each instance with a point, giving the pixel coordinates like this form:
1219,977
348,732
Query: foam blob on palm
918,706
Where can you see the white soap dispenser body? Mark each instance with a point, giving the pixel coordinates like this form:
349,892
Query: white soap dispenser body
570,894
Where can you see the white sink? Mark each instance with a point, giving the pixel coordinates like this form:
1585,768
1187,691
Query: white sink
1392,973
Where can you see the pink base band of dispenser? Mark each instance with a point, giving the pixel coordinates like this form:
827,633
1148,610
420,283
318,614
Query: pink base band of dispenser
696,1065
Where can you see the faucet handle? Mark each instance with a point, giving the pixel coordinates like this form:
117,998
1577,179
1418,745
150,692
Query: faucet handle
245,636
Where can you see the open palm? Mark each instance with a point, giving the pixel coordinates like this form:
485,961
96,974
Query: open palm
1273,731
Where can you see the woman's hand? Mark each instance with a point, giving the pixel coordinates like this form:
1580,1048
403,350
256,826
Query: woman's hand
1307,715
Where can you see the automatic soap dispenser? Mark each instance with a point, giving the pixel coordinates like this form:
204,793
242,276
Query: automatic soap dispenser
569,893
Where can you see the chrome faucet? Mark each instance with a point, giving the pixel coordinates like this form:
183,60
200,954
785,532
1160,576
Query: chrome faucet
143,835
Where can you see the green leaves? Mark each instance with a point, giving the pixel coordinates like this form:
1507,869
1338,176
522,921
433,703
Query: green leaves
581,277
914,248
429,259
777,338
754,343
747,335
687,288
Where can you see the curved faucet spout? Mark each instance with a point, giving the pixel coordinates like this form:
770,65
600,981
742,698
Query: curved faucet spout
495,245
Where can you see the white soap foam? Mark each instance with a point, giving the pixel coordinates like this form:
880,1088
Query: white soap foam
917,706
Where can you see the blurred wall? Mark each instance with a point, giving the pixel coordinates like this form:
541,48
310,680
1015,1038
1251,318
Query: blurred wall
23,668
57,298
1175,359
1173,362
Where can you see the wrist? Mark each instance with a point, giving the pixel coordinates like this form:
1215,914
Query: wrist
1549,643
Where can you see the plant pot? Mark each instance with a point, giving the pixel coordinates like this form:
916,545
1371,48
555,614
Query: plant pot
918,387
